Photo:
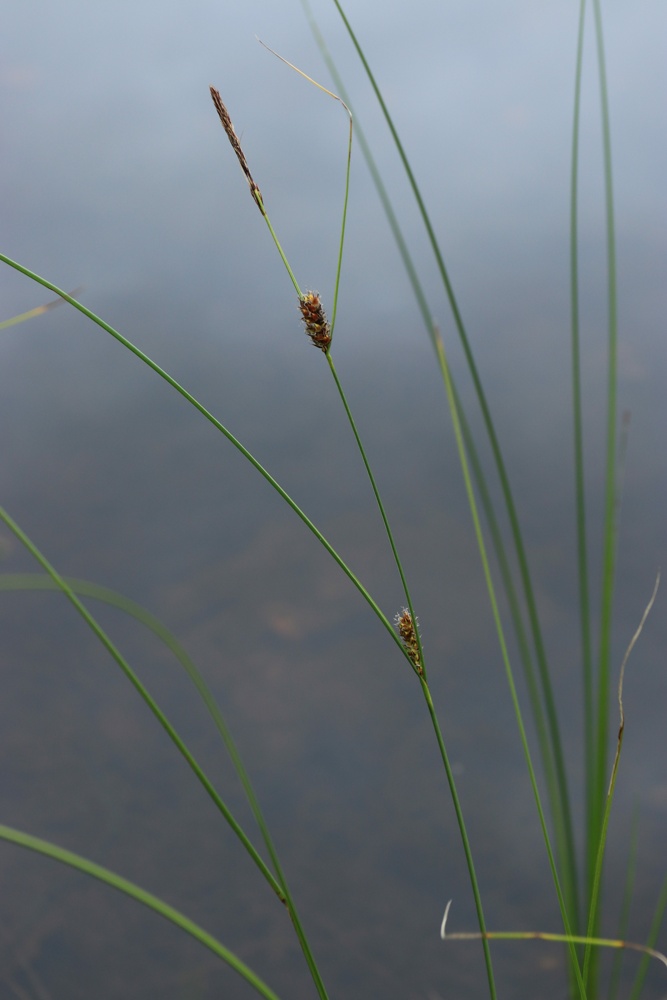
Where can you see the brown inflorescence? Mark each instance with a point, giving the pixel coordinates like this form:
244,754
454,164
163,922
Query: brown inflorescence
223,115
317,325
408,633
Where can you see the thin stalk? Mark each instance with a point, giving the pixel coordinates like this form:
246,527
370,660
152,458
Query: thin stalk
626,904
464,837
506,661
579,465
543,668
135,892
378,498
609,555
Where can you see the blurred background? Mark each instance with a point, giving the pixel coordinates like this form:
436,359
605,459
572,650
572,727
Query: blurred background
117,177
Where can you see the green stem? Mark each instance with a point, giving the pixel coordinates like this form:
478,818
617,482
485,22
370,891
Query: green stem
383,513
580,495
609,555
464,837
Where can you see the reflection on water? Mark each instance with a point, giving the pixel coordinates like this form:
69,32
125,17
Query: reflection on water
135,492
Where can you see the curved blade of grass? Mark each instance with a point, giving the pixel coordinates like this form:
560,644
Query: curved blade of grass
135,892
609,531
145,695
598,721
578,442
84,588
223,430
568,860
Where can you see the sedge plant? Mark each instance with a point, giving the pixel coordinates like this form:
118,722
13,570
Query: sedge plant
578,897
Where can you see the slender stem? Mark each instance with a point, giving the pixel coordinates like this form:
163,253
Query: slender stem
378,498
580,494
464,836
609,555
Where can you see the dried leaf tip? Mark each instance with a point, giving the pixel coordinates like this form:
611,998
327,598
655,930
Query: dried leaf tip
317,325
223,115
407,629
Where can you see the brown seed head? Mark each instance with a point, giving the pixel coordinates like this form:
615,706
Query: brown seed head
408,633
226,122
317,326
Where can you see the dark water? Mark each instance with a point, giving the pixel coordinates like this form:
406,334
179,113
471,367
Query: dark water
119,481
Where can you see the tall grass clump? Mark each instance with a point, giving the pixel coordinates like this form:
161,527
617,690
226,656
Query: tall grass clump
575,856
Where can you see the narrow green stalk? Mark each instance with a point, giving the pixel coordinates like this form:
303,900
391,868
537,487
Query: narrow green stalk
506,661
596,833
609,557
529,595
464,837
144,694
580,495
83,588
135,892
378,498
626,904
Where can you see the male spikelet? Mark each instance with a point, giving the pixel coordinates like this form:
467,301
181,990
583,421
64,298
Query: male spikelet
317,325
408,633
226,122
